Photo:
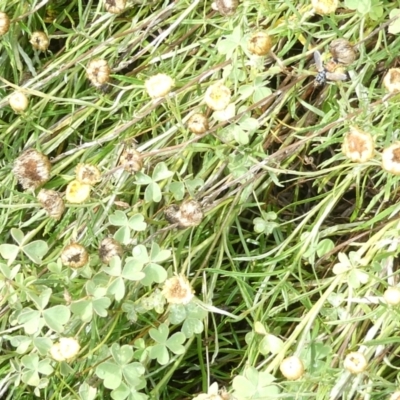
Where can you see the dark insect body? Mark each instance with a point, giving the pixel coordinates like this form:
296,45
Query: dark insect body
325,74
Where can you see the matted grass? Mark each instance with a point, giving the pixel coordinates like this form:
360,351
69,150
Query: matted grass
297,245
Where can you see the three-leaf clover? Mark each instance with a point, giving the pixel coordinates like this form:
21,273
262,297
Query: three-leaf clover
153,189
160,350
33,367
35,250
134,223
192,316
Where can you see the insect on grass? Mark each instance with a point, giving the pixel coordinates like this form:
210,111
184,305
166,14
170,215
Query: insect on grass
324,74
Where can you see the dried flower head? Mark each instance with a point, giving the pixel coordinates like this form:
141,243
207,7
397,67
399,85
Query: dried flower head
74,255
32,169
225,7
392,296
395,396
131,160
355,362
391,159
65,350
391,81
177,290
292,368
52,202
98,72
4,23
115,6
159,85
323,7
342,51
88,174
187,215
108,249
358,145
212,393
217,96
18,102
40,41
198,124
77,192
260,43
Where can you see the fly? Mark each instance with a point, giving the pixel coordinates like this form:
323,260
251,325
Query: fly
324,74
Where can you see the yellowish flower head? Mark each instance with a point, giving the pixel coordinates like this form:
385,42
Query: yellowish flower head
177,290
358,145
159,85
77,192
65,350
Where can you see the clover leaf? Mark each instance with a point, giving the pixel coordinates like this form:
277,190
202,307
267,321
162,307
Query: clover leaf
134,223
192,316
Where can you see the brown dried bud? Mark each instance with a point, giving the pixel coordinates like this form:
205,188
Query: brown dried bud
391,159
32,169
40,41
391,81
52,202
131,160
115,6
187,215
88,174
4,23
108,249
98,72
18,102
198,124
225,7
358,145
260,43
74,255
342,51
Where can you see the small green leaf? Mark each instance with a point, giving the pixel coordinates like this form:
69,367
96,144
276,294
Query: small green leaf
30,377
192,326
160,353
160,335
154,273
9,252
36,250
394,27
101,305
161,172
133,271
117,289
177,189
87,392
153,193
17,235
56,317
43,345
136,222
114,268
140,254
118,218
122,355
30,361
157,255
174,343
123,235
110,373
142,179
84,309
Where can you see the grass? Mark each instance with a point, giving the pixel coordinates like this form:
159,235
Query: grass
297,245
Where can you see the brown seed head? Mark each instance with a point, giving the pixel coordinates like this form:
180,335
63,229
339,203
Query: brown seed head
40,41
391,81
74,255
115,6
358,145
131,160
108,249
198,124
342,51
187,215
98,72
391,159
260,43
226,7
355,362
88,174
52,202
32,169
4,23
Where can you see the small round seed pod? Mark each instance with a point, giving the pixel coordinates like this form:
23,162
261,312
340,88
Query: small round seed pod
77,192
324,7
198,124
98,72
159,85
225,7
189,214
74,255
391,81
342,51
32,169
355,362
391,159
358,145
178,290
52,202
4,23
18,102
131,160
392,296
292,368
172,214
108,249
115,6
217,97
40,41
260,43
87,174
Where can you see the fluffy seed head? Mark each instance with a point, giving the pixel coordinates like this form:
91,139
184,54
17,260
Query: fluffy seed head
391,159
115,6
88,174
131,160
98,72
65,350
342,51
18,102
52,202
159,85
198,124
177,290
355,362
40,41
358,145
391,81
217,96
260,43
323,7
108,249
32,169
187,215
292,368
77,192
4,23
392,296
225,7
74,255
